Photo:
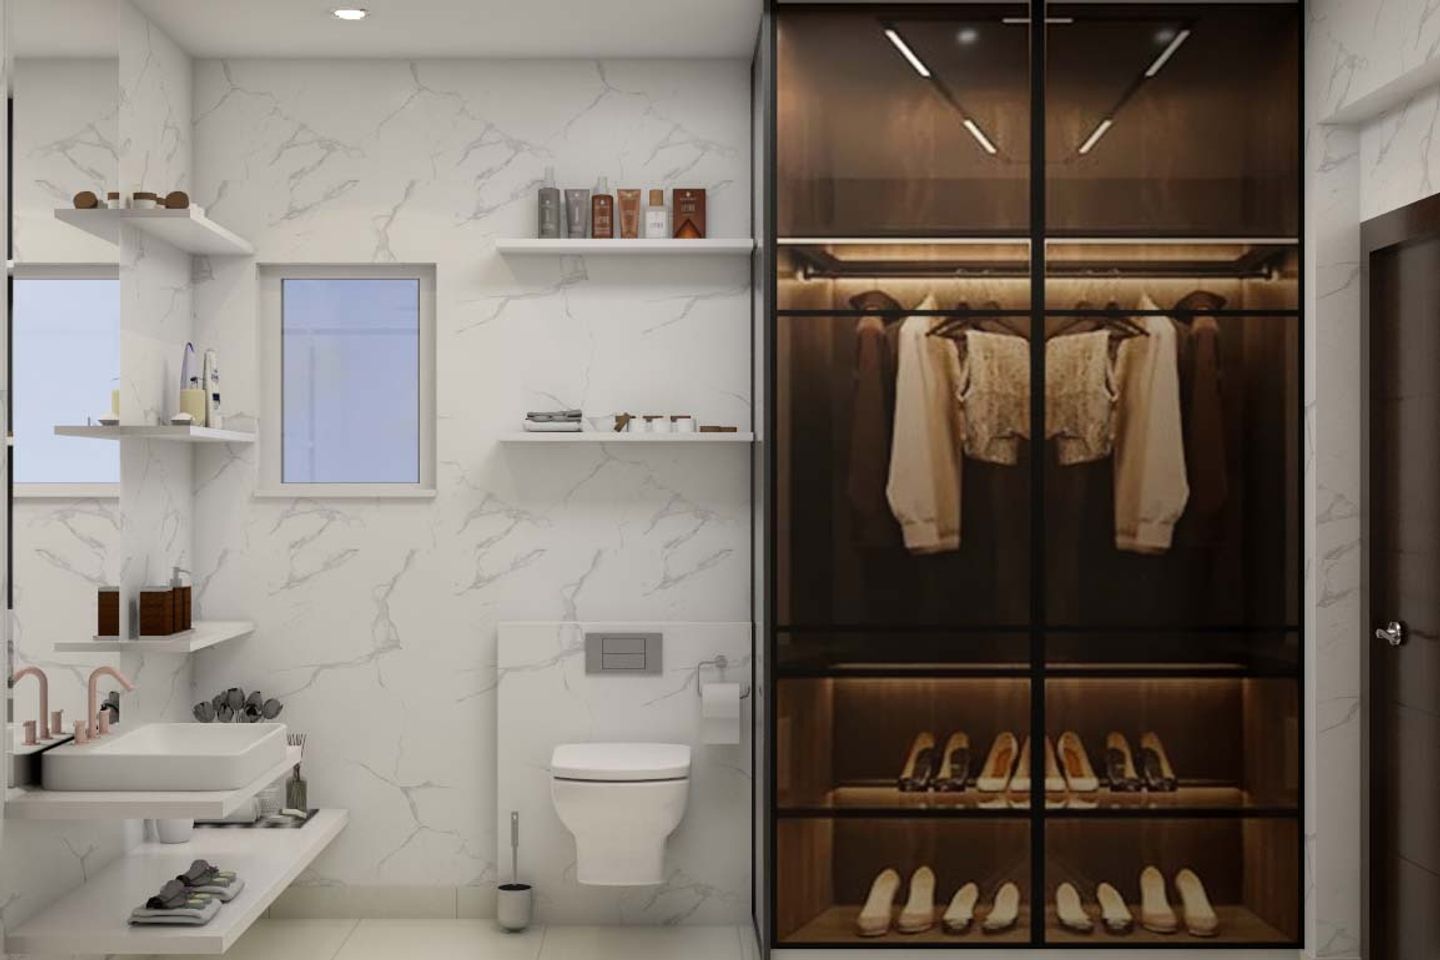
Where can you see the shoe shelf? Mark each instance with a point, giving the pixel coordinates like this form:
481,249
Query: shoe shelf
887,800
836,925
1187,801
1239,927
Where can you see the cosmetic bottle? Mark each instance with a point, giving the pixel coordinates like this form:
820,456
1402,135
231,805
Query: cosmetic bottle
577,213
689,213
602,211
549,228
211,375
629,203
657,218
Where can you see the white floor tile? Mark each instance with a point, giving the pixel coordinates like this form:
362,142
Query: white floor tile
641,943
289,940
439,940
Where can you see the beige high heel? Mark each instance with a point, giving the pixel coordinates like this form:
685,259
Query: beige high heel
919,913
1005,910
1069,911
1200,918
961,912
1155,913
874,918
1076,764
1113,912
995,775
1020,782
1054,782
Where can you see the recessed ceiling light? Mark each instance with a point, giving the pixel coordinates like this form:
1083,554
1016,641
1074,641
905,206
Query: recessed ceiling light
968,35
350,13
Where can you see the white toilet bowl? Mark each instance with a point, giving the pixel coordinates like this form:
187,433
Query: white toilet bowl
620,801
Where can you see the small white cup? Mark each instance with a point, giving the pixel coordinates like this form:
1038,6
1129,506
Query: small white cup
682,424
638,425
659,424
175,831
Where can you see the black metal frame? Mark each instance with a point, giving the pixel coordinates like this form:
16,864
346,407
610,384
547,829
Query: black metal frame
1037,671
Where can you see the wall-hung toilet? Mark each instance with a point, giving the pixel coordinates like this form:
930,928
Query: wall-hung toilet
620,801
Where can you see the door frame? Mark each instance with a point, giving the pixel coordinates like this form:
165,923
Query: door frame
1409,224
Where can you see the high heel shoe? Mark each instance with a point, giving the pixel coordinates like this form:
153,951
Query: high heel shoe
1076,764
1200,919
1113,912
919,764
1155,765
1054,782
1020,782
919,913
1004,911
874,918
1120,764
1069,910
954,770
961,912
995,775
1155,913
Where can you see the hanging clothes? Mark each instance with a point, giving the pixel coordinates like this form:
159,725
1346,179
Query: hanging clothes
924,478
1151,487
1203,409
993,391
872,418
1080,395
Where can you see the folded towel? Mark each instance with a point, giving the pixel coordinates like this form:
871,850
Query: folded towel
223,891
557,426
553,415
196,912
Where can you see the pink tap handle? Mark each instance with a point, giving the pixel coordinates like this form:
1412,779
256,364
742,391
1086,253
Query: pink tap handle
80,736
104,722
57,726
30,740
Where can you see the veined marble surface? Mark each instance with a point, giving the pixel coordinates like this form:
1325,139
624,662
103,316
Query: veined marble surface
376,620
546,698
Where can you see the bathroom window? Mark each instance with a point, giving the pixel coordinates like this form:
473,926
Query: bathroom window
65,324
349,381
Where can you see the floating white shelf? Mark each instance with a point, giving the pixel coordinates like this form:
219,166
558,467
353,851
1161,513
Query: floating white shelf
709,246
596,437
205,633
92,919
181,434
188,230
37,803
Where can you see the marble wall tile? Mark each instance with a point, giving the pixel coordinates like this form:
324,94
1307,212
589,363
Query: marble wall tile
376,620
546,698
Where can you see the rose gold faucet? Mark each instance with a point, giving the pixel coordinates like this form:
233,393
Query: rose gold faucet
43,727
92,728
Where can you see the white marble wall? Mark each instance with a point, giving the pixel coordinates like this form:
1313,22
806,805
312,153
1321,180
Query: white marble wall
1371,120
546,698
376,620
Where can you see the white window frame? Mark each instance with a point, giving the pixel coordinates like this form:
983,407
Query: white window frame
271,322
66,271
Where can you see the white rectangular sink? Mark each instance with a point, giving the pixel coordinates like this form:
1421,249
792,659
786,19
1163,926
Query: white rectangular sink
167,756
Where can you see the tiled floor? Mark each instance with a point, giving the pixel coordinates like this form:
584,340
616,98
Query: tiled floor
481,940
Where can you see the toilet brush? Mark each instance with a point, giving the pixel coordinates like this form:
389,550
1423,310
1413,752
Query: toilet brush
513,899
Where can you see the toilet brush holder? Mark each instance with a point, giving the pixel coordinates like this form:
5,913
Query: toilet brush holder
514,901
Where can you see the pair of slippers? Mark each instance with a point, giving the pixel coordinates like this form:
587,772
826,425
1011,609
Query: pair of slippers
918,914
191,899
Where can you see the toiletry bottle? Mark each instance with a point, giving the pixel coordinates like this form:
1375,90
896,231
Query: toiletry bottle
602,211
689,213
629,203
577,213
211,374
549,207
657,218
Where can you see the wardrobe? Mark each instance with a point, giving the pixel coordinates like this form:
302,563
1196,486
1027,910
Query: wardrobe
1032,469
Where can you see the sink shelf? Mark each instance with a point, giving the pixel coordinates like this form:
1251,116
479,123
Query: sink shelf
92,918
205,633
37,803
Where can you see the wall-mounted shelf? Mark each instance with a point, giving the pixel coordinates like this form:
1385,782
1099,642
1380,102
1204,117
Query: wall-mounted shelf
597,437
181,434
93,918
205,633
37,803
711,247
189,230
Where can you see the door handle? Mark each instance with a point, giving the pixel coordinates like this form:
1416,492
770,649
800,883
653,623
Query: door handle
1392,633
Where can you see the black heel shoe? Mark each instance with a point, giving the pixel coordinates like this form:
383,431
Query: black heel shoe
1155,765
954,764
919,766
1120,764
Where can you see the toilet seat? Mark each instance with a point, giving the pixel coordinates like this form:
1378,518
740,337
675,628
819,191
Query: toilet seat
620,762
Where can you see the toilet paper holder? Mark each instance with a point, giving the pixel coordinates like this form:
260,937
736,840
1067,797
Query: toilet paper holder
719,662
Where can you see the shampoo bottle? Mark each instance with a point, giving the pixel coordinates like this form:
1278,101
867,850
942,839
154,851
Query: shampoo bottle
602,211
549,227
657,218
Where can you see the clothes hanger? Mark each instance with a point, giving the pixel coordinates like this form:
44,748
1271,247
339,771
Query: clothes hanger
1197,300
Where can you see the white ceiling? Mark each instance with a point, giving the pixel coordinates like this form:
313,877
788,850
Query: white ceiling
459,28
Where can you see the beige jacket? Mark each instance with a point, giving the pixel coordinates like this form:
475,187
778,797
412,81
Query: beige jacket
924,482
1150,485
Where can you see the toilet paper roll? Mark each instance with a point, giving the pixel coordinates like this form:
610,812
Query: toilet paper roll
720,713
